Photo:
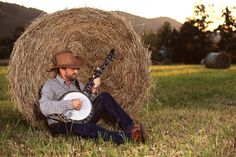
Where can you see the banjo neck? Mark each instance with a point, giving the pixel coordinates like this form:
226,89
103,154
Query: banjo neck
97,72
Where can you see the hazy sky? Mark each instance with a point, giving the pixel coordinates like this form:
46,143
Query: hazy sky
176,9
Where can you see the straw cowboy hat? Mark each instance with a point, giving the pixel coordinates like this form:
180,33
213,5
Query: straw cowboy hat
66,59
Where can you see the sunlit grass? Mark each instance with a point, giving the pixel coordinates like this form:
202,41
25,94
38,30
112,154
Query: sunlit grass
173,70
3,70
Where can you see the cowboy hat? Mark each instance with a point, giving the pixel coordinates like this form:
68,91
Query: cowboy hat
66,59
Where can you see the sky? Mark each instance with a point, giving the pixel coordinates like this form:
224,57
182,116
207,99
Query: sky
176,9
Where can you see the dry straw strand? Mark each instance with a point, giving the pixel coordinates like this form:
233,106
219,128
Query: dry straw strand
88,32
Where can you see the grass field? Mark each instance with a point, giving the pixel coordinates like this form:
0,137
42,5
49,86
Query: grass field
191,112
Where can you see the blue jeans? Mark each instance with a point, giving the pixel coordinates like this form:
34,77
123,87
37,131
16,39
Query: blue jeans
104,107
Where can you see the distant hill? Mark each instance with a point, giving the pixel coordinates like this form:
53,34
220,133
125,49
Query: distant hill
148,24
13,15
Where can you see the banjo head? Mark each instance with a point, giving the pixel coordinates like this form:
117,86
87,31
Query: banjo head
85,110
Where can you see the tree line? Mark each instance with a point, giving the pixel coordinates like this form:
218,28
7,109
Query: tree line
194,40
7,43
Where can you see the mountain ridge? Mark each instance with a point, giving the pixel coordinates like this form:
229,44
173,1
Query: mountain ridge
148,24
14,15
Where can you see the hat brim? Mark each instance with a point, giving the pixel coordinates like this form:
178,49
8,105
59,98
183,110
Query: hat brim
81,62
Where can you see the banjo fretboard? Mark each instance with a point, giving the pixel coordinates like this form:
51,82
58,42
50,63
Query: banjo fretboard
98,71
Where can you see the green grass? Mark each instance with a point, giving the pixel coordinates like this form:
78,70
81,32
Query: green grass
204,88
191,112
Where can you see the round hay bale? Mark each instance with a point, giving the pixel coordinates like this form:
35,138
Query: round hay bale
88,32
217,60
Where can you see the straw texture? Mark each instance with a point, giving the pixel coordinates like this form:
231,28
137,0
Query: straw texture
88,32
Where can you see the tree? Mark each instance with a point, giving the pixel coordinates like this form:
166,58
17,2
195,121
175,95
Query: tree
229,24
228,33
150,40
5,47
163,43
193,41
7,43
186,43
201,18
159,42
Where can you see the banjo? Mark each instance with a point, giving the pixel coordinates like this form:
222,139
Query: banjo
84,114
